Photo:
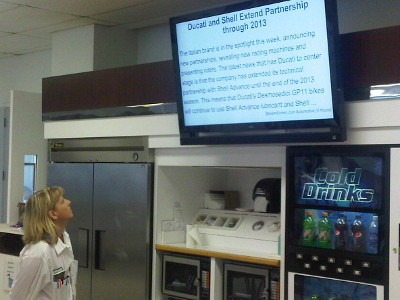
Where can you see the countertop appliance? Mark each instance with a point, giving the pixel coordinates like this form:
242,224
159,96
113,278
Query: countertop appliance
186,276
248,281
267,195
111,229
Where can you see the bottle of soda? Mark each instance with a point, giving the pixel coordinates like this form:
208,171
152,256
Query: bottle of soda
373,236
357,228
308,230
340,232
324,232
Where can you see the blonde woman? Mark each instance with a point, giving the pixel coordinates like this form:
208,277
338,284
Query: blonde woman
47,269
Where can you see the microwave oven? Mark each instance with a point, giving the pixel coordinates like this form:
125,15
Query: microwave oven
186,277
249,281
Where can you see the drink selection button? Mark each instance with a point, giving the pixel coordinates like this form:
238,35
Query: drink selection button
339,270
307,266
323,268
348,262
366,264
315,258
331,260
299,255
357,272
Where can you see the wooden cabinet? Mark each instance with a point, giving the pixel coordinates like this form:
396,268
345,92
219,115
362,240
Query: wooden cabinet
118,87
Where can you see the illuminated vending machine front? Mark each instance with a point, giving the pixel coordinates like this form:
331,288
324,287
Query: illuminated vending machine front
337,223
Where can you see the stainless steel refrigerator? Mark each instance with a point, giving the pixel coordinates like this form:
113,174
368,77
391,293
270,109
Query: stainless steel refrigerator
111,228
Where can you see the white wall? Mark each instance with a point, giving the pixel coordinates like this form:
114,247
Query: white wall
4,137
154,44
359,15
114,48
26,137
24,72
72,51
92,47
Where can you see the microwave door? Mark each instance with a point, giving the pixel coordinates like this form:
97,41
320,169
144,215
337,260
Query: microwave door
181,277
246,282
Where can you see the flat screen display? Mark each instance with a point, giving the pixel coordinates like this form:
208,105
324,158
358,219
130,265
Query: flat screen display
258,65
339,180
336,197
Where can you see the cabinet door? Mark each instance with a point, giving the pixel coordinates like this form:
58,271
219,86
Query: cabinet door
122,218
77,180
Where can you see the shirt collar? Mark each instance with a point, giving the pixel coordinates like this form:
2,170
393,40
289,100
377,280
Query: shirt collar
60,246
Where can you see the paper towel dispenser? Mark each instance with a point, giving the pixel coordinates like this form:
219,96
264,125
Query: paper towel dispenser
267,195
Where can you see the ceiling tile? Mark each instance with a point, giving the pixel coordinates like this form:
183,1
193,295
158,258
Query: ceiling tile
45,32
7,6
18,43
5,55
81,7
159,11
36,49
29,18
151,11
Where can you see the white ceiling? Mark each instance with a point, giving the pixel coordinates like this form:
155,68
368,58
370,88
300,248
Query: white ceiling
26,25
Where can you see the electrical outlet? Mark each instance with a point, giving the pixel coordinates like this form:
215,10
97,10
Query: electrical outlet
168,225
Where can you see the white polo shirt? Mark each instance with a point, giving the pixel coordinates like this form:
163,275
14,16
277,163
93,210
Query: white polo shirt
46,272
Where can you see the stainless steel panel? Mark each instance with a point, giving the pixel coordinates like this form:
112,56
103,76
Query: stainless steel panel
122,210
77,180
126,149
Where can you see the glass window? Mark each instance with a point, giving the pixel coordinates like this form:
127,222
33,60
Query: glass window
30,163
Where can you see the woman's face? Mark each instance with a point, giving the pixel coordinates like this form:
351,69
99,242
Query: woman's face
62,210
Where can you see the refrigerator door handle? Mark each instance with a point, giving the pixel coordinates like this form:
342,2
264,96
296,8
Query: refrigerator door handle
83,248
99,253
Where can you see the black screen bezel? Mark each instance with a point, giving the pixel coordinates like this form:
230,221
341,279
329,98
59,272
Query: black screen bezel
264,132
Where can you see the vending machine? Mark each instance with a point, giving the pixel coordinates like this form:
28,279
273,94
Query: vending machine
341,237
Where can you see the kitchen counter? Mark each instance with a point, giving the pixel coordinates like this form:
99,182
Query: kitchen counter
7,229
224,253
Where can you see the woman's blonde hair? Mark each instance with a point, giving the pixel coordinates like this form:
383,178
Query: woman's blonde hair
38,225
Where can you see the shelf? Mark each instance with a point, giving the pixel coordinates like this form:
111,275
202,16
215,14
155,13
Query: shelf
6,228
268,260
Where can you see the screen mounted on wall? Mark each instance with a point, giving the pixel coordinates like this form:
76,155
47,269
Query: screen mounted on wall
258,71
